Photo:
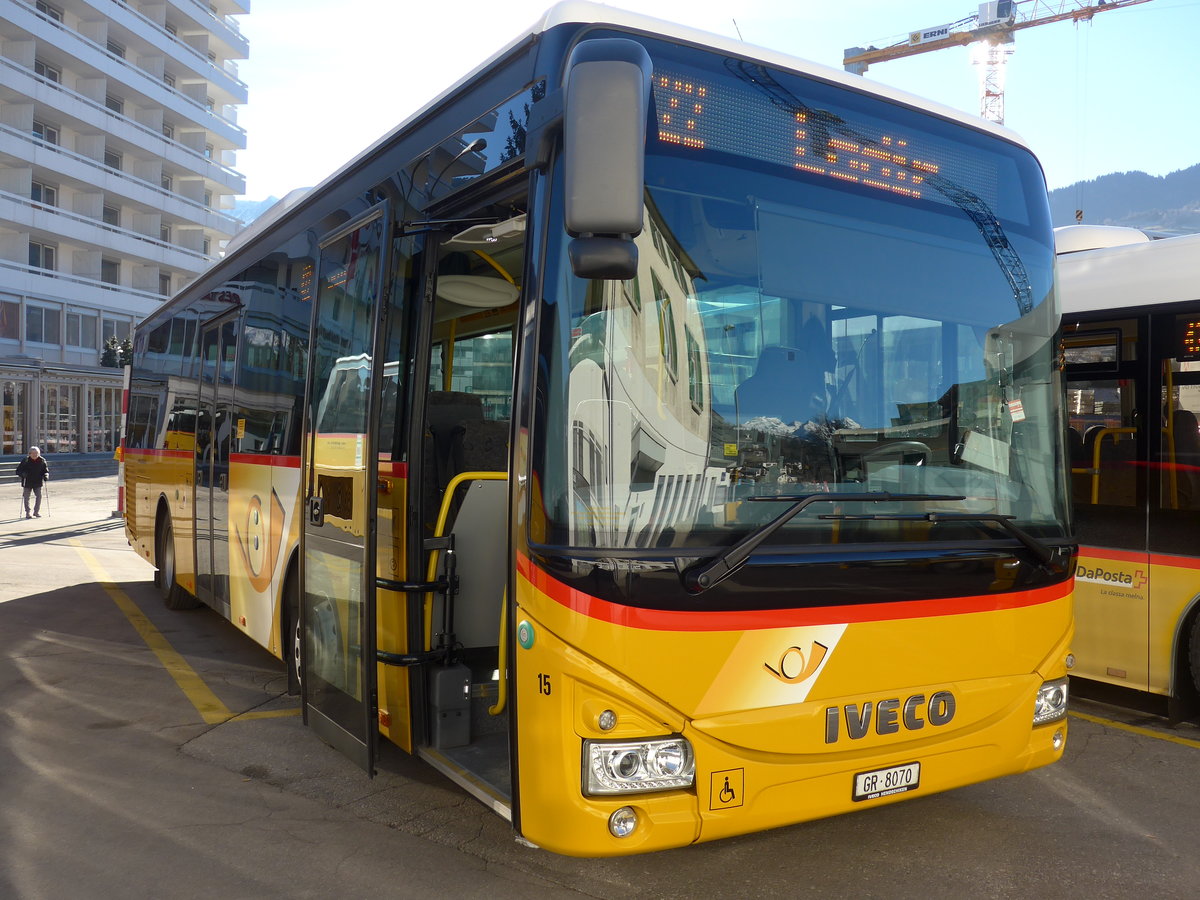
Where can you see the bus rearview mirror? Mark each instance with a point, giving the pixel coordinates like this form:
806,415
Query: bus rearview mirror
604,140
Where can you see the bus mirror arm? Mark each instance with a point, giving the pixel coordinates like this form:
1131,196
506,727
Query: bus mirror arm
544,127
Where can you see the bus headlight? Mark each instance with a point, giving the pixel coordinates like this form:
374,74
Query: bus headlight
1051,702
626,767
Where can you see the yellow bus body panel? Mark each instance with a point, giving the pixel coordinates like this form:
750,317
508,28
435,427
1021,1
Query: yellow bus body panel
264,531
760,737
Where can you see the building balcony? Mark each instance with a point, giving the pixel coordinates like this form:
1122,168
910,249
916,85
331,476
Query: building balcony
74,290
66,164
183,54
222,26
57,224
92,55
98,117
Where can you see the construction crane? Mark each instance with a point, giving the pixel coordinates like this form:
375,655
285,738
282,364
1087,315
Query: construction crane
991,29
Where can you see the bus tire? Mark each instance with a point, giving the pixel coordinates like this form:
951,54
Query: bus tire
292,637
1194,652
174,597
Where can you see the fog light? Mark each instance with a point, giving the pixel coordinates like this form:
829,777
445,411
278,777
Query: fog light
622,822
607,720
1058,740
1051,703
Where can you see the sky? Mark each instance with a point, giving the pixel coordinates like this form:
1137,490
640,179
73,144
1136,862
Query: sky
327,79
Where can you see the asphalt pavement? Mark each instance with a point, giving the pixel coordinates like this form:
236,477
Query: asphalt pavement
151,753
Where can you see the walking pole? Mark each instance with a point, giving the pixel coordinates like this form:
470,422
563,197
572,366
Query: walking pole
46,488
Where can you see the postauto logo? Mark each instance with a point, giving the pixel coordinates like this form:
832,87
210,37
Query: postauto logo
1098,574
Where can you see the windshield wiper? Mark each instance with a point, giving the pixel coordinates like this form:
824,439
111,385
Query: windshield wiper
1045,554
702,575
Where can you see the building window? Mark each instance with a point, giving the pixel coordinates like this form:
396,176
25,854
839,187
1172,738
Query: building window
164,284
207,246
45,133
168,79
42,256
168,131
81,330
116,104
60,418
112,159
104,428
44,194
10,320
116,49
111,216
668,342
167,183
208,151
110,271
210,104
47,71
43,326
110,328
164,233
52,12
208,199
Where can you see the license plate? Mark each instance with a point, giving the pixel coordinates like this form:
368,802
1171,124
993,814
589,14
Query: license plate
885,782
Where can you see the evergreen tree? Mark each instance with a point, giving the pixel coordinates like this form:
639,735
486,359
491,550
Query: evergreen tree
111,357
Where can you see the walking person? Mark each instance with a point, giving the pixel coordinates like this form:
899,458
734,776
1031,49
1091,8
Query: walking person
33,472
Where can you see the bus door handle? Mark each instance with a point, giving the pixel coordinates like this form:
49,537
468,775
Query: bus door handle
316,511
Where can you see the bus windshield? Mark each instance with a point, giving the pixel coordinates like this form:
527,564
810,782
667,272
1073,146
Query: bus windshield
847,296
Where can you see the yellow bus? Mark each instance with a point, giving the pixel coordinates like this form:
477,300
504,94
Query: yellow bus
660,436
1131,332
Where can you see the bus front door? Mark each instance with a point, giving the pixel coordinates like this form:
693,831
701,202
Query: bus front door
218,341
338,600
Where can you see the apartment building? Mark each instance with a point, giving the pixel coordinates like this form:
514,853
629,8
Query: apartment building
118,135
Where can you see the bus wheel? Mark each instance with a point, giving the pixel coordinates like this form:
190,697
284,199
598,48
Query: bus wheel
1194,652
293,637
174,597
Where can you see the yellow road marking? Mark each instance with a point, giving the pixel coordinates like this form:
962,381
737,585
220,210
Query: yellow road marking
1136,729
201,696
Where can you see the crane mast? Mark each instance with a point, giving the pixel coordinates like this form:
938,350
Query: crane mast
991,32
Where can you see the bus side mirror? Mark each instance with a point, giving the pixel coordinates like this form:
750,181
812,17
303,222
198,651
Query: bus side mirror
607,97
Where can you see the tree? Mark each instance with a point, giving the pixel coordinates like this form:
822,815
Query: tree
111,357
127,351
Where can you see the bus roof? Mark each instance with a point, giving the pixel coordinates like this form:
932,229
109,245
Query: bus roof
578,12
575,12
1130,275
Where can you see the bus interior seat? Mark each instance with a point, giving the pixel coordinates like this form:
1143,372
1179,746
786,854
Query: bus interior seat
1118,474
445,415
485,446
1187,458
1075,448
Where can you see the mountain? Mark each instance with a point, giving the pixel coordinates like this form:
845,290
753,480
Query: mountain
246,211
1164,204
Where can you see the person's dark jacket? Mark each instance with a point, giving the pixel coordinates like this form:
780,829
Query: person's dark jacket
33,472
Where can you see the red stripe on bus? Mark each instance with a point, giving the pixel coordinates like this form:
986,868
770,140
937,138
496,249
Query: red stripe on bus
266,459
1133,556
753,620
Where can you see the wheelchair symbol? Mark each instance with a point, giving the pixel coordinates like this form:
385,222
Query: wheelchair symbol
726,789
727,795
